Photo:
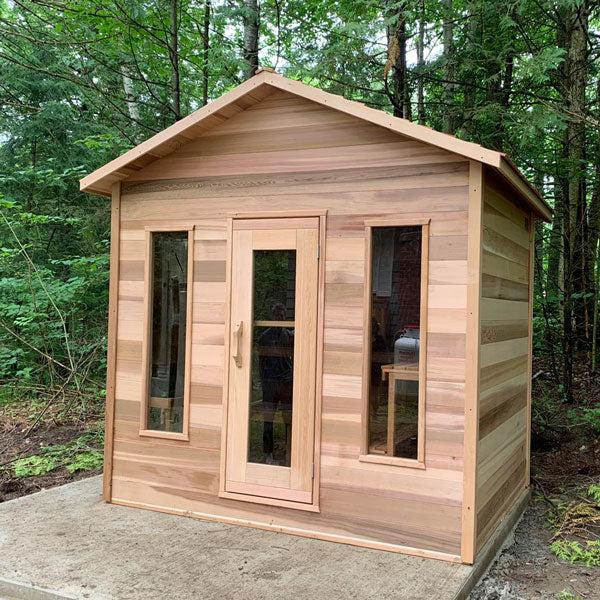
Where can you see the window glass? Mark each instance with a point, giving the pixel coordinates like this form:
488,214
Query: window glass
168,330
395,313
274,285
272,369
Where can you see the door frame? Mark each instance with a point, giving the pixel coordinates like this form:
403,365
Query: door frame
322,216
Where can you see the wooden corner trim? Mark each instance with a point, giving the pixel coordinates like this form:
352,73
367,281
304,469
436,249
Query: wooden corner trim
529,351
473,337
111,358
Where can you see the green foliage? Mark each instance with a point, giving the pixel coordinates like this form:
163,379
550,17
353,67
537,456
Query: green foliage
76,455
36,465
86,461
107,74
576,553
547,415
591,416
56,303
566,595
593,492
578,518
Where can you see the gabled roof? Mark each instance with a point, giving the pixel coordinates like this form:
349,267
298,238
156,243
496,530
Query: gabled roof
259,87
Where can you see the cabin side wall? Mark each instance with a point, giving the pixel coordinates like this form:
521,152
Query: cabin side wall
287,154
505,357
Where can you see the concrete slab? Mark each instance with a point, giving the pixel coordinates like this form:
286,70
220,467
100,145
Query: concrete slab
67,543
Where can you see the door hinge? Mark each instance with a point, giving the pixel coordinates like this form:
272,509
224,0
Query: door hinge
313,471
318,251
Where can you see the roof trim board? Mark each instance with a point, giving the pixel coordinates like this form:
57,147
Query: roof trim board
259,87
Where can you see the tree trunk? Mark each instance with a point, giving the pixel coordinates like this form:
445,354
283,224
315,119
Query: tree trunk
251,30
174,58
575,141
205,52
449,124
421,64
399,94
132,105
593,247
468,74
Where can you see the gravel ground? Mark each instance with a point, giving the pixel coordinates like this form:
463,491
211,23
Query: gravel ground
527,570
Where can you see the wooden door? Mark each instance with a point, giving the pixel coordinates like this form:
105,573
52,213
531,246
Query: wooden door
272,363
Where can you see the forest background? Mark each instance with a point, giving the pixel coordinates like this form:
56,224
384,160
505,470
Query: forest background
81,81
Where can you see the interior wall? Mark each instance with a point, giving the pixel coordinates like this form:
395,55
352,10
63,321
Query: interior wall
287,153
502,451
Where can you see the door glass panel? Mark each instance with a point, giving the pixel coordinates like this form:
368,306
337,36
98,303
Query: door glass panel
272,368
271,397
167,352
274,285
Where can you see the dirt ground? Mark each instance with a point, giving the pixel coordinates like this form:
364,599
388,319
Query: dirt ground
16,441
564,461
526,569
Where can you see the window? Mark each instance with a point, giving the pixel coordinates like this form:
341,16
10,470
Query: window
167,341
394,372
272,370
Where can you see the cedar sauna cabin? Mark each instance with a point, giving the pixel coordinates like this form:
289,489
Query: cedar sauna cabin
320,324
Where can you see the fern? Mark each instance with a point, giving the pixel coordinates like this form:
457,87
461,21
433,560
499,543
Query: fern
575,553
594,493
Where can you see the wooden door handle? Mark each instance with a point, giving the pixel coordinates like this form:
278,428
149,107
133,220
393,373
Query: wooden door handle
236,350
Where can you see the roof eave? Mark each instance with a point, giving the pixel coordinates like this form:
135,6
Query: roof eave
101,180
511,173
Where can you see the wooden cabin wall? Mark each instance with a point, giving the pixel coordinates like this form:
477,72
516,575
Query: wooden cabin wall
504,392
287,153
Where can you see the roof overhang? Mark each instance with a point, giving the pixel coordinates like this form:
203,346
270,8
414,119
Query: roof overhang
259,87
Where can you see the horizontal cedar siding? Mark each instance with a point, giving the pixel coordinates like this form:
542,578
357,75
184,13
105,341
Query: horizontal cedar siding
288,154
504,314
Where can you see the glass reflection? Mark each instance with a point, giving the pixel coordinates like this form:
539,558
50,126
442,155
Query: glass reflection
395,340
406,418
271,398
272,369
167,352
274,284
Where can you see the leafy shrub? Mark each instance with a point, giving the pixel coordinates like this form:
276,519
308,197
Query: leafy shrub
591,416
547,417
35,465
52,306
576,553
566,595
593,492
74,456
579,518
86,461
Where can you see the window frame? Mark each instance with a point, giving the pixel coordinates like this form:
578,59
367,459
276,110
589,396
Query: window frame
365,456
144,431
